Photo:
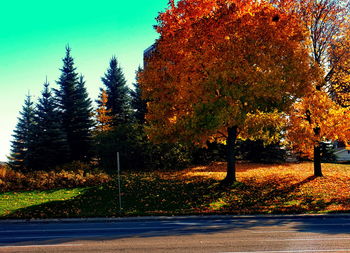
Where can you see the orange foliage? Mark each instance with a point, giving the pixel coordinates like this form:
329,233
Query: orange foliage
326,22
11,180
341,77
274,188
103,117
316,117
317,111
219,61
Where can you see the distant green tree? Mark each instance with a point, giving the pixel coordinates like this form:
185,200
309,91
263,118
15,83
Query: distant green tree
138,105
75,110
118,93
23,137
50,146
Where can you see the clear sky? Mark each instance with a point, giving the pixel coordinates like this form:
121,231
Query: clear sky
34,34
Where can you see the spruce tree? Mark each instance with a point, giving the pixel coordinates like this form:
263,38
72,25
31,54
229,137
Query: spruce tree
21,148
82,143
75,110
118,93
50,147
138,104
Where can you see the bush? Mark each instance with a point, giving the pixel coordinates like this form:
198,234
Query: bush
75,166
11,180
327,152
137,152
215,152
256,151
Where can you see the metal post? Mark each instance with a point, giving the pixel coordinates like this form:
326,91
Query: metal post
120,196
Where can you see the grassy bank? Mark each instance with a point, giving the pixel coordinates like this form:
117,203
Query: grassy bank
262,189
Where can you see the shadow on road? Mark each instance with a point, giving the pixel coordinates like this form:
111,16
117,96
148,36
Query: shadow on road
145,195
69,232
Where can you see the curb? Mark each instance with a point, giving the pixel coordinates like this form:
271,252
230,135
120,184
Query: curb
162,218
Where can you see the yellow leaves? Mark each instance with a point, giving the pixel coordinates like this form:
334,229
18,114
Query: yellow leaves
173,119
264,126
103,118
317,111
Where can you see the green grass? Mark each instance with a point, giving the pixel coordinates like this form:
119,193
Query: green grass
262,189
142,194
13,201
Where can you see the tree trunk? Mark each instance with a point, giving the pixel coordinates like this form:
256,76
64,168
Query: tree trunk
231,160
317,161
317,155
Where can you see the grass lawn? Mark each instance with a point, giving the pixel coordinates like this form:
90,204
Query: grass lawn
261,189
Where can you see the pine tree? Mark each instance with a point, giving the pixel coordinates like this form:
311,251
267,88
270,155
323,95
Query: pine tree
84,123
50,147
103,117
23,136
75,109
138,104
118,93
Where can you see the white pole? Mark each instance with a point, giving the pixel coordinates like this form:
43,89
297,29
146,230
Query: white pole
120,196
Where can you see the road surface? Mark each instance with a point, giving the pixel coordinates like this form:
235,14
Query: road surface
182,234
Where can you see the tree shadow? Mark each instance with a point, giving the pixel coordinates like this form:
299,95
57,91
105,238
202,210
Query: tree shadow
66,232
270,196
147,195
241,166
142,194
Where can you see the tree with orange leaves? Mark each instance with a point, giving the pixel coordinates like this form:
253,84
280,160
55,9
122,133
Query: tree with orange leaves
340,80
315,119
326,22
328,46
220,67
103,118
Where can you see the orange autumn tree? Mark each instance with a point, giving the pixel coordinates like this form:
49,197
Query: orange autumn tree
103,117
326,22
220,65
314,119
340,81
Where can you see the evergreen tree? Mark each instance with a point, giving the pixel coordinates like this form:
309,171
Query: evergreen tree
50,147
23,136
84,123
118,93
75,110
138,104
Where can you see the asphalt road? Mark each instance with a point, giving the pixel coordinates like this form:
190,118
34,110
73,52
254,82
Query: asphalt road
187,234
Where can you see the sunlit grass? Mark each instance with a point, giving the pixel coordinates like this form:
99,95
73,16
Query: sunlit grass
262,189
12,201
281,188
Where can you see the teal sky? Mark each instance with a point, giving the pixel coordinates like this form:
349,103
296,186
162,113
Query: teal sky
34,34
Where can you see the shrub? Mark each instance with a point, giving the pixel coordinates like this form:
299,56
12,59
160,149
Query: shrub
11,180
256,151
137,152
75,166
327,152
